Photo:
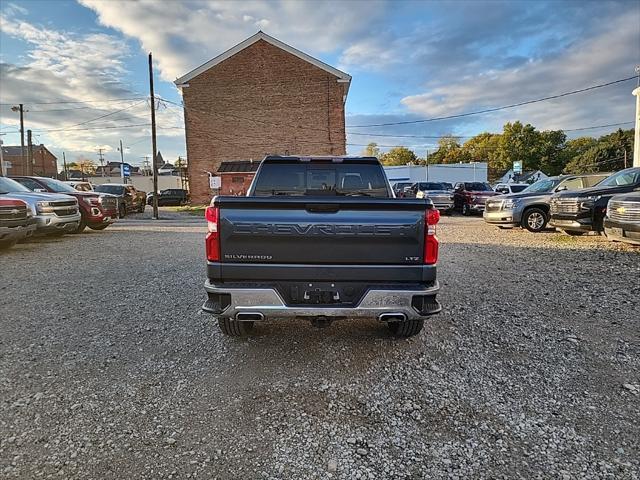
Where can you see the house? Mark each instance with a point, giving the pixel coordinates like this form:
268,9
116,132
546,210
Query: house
44,163
260,97
525,177
112,169
236,176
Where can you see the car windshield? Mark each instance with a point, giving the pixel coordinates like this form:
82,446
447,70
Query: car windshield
620,179
424,186
518,188
57,186
114,189
321,179
477,187
542,186
11,186
83,187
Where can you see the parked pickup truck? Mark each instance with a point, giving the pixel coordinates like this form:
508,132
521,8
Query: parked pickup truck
55,214
321,238
97,210
578,212
469,197
129,199
16,221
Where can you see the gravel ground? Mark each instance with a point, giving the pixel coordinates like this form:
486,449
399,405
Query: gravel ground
108,369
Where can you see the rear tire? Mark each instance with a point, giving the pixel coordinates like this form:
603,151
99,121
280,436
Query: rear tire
465,210
232,328
534,219
81,226
408,328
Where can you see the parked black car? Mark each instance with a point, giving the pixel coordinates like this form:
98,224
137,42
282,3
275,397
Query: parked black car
583,211
622,222
129,199
169,197
400,188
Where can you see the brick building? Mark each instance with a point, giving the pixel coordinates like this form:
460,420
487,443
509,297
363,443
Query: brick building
260,97
45,163
236,176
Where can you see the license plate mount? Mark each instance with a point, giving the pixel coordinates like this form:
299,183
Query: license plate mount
617,231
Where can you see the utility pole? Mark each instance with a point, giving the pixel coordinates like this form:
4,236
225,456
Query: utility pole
20,108
3,167
153,139
121,162
101,158
29,153
64,163
636,136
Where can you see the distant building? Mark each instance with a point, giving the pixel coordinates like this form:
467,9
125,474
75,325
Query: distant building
236,176
260,97
45,163
525,177
450,172
112,169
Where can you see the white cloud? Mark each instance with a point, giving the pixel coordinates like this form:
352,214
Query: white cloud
198,31
608,55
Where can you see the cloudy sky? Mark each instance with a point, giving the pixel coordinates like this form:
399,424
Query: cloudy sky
80,67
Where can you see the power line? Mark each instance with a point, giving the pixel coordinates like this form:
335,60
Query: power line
78,101
495,109
106,115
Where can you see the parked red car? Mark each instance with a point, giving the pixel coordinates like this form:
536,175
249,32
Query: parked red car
98,210
470,197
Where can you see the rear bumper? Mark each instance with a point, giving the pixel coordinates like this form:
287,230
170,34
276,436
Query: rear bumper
265,303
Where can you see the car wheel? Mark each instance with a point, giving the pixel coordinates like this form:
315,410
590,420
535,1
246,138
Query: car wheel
465,210
233,328
534,220
81,226
141,208
573,233
6,244
408,328
122,210
98,227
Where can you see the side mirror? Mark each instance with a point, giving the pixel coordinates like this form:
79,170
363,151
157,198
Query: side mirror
39,190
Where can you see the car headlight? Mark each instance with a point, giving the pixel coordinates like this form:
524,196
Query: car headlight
586,203
44,207
93,201
510,203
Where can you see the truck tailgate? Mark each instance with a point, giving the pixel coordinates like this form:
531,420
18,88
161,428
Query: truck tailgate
331,230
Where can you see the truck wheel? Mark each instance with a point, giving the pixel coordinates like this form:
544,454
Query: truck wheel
81,226
534,220
465,210
6,244
98,227
408,328
122,211
233,328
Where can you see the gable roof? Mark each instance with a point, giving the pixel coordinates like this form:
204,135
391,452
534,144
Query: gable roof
342,77
16,151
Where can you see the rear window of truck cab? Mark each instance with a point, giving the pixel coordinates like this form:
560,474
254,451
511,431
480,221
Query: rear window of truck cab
323,179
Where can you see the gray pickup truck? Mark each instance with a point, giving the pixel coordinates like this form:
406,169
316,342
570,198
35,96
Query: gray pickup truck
321,238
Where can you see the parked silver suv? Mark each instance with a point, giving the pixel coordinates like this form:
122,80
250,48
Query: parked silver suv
530,208
55,213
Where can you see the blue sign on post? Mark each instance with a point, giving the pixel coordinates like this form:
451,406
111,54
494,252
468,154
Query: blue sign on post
517,167
126,170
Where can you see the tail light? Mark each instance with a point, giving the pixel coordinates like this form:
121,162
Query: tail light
212,214
431,218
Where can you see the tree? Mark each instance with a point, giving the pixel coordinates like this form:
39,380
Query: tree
86,165
371,150
398,156
606,155
550,150
449,151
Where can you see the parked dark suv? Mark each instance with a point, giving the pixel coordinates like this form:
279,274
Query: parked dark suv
583,211
169,197
622,222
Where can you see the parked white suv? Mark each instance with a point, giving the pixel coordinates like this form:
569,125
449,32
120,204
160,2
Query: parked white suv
509,188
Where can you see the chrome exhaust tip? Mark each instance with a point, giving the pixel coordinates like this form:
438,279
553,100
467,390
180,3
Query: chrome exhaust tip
392,317
249,317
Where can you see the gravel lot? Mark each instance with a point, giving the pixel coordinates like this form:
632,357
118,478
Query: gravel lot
108,369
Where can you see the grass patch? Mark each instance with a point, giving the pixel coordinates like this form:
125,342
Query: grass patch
190,209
